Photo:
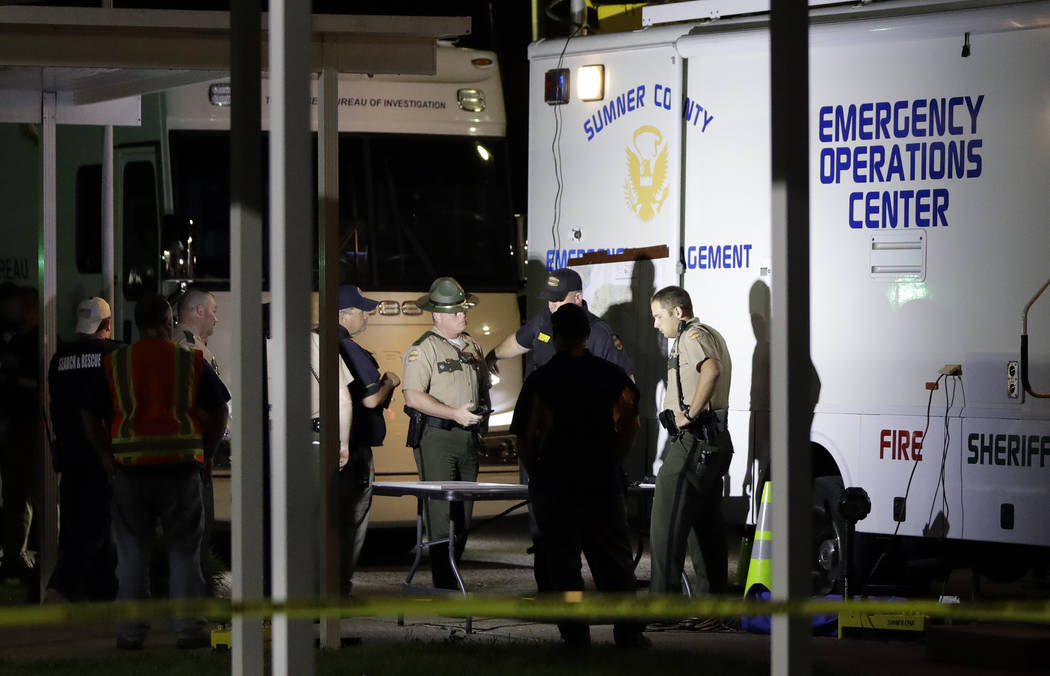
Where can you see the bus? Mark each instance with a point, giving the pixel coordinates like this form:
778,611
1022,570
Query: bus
424,190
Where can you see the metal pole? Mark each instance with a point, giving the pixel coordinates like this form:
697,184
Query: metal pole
679,140
108,282
328,254
246,314
292,479
791,652
48,286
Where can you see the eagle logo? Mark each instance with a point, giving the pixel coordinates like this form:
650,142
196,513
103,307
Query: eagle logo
646,185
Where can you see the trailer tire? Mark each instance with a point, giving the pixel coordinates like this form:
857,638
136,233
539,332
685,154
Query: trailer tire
829,533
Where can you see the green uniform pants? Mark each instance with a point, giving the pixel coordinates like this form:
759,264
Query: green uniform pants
447,455
688,500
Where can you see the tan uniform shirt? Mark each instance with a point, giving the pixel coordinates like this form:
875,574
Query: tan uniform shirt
186,337
434,365
696,343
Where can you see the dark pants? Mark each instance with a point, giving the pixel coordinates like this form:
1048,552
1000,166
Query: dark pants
355,504
447,455
140,501
87,561
593,525
688,500
20,468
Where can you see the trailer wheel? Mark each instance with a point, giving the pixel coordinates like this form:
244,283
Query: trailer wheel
829,532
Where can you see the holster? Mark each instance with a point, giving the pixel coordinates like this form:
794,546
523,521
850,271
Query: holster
416,424
709,425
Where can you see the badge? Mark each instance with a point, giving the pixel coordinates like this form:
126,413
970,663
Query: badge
543,337
694,334
450,365
413,355
617,343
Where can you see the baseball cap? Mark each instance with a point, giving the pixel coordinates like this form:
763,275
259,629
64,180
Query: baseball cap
350,296
90,314
560,283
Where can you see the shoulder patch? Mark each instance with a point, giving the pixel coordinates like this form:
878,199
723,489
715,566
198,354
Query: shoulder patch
419,341
694,334
543,337
413,354
617,343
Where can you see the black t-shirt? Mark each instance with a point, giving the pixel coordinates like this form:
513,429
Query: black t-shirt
572,400
368,427
536,335
75,369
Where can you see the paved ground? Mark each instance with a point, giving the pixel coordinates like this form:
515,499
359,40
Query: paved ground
496,562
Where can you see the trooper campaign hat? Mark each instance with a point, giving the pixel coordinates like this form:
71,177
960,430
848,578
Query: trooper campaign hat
560,284
446,295
90,314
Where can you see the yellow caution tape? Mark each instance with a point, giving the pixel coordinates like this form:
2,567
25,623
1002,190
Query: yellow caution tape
574,605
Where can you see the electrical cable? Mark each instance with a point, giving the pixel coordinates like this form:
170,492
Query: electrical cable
940,486
907,490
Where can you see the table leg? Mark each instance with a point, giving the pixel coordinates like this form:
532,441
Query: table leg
452,560
419,553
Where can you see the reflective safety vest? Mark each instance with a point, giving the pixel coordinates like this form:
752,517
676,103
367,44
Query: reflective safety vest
155,384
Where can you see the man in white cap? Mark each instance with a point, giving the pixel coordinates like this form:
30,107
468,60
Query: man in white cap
446,394
86,562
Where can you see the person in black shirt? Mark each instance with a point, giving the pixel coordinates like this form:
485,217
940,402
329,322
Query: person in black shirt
564,286
370,393
575,419
86,558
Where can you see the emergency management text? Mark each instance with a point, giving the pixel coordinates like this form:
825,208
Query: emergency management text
716,256
930,139
559,258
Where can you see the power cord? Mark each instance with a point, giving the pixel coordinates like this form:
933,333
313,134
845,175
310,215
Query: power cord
907,490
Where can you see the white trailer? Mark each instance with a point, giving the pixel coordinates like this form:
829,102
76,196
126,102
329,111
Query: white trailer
929,142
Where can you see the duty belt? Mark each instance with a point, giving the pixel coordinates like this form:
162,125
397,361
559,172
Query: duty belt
445,423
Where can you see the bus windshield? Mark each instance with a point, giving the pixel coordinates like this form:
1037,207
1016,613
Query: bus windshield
412,207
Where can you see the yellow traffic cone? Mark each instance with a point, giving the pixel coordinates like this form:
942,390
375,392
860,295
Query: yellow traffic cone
760,570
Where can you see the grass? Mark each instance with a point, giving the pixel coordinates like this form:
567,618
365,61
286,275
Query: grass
396,659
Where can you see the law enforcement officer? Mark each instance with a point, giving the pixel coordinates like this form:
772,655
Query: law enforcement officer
86,562
198,315
689,484
576,418
370,393
167,409
446,397
562,286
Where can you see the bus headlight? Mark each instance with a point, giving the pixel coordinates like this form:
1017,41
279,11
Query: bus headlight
471,100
